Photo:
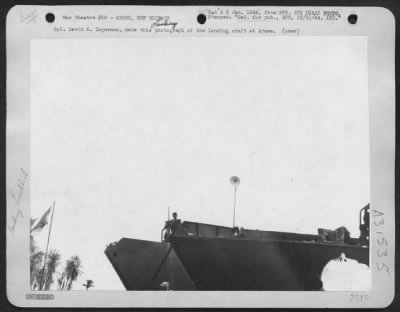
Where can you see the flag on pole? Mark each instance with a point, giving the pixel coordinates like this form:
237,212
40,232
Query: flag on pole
39,225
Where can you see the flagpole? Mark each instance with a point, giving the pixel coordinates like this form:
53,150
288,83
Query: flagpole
47,248
234,208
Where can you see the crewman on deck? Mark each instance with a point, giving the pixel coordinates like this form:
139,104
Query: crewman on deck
171,226
364,227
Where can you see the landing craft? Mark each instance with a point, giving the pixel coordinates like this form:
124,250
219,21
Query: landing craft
198,256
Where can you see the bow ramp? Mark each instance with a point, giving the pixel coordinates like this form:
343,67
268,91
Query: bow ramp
146,265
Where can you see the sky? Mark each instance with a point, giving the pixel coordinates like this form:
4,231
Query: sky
123,128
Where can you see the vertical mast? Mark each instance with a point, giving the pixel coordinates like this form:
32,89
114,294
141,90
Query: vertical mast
235,181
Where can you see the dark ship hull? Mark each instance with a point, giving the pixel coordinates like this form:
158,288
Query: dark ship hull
208,257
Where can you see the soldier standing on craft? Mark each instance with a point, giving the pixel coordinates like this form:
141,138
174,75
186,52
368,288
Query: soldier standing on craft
171,226
364,227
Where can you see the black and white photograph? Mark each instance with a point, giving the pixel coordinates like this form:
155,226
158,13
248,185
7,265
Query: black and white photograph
254,181
220,154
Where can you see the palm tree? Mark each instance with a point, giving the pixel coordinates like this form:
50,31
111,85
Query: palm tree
71,272
61,281
53,260
36,260
89,283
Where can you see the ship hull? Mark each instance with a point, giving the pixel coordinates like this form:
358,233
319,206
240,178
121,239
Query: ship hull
226,263
147,265
246,264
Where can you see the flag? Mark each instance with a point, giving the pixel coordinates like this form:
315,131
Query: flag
33,220
38,226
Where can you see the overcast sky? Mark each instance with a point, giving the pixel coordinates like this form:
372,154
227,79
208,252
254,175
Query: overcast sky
122,129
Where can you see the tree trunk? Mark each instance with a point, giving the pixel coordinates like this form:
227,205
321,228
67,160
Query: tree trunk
70,284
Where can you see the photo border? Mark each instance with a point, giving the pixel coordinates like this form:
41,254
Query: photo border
212,297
